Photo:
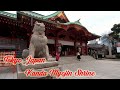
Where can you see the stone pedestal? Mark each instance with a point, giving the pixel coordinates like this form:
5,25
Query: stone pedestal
110,56
37,48
46,67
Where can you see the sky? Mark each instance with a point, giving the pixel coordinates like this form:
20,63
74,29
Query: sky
97,22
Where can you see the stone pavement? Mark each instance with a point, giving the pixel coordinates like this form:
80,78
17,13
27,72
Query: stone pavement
6,73
105,68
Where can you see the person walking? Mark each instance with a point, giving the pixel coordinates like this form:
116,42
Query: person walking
78,56
57,56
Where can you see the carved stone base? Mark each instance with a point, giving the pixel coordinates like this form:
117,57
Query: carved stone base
40,66
21,75
50,64
110,56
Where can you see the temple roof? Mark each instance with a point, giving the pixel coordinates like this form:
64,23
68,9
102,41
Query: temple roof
95,35
33,14
11,15
40,16
76,22
52,15
60,14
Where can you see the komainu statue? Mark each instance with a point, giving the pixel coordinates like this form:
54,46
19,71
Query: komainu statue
37,49
38,44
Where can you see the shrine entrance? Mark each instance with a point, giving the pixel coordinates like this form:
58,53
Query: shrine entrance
67,50
51,49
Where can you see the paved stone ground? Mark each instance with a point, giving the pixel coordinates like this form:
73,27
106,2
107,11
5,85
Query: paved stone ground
6,73
105,68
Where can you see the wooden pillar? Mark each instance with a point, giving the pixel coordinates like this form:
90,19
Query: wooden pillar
81,44
86,52
75,47
82,48
56,42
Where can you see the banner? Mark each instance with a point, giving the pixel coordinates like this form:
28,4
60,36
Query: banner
118,49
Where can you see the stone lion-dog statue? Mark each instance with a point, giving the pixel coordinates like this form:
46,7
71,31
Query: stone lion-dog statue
38,44
37,49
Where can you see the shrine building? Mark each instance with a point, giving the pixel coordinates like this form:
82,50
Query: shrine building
16,30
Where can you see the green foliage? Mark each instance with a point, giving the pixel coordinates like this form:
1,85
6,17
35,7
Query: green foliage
115,36
116,28
116,31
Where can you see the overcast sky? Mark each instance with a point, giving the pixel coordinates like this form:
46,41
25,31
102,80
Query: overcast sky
98,22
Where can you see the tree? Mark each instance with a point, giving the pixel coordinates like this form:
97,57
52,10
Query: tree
116,31
109,41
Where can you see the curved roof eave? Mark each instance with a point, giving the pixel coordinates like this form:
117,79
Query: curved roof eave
79,24
95,35
52,15
76,22
9,15
33,14
55,14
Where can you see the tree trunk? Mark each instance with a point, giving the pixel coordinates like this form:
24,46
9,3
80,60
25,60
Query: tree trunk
110,50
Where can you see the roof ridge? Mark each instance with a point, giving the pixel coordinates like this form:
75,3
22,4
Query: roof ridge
8,14
51,15
34,14
75,22
37,13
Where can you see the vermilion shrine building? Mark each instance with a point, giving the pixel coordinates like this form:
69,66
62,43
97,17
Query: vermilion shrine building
16,29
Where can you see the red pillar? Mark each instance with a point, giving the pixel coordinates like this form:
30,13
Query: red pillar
82,47
86,48
74,48
56,43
